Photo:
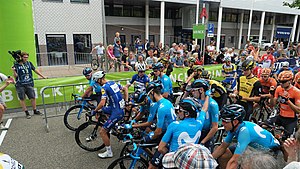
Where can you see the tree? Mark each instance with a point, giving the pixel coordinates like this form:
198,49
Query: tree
294,4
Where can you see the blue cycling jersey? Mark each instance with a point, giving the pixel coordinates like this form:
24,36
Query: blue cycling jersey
96,86
165,114
167,84
153,111
144,108
140,82
251,134
228,69
111,91
212,114
181,132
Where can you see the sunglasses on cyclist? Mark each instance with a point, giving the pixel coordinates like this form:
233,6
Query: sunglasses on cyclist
283,81
265,76
226,120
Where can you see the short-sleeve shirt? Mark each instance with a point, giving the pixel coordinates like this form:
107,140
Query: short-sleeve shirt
140,48
267,60
100,50
251,134
24,72
248,87
294,95
228,69
150,60
182,132
112,92
212,114
140,82
165,114
265,85
297,76
96,86
117,52
177,60
167,84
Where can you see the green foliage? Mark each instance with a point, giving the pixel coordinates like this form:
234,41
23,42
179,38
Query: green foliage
294,4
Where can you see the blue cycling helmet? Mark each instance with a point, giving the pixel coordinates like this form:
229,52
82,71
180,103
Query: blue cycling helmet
139,97
233,112
157,66
154,85
191,105
87,71
200,83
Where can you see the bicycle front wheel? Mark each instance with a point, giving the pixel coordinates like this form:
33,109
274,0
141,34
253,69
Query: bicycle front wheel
71,118
94,64
128,163
87,136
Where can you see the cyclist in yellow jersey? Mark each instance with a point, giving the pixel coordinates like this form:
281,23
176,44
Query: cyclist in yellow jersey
218,92
248,88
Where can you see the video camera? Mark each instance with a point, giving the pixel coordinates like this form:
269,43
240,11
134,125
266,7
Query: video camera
16,55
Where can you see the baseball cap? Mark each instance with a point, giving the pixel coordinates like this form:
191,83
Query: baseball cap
190,156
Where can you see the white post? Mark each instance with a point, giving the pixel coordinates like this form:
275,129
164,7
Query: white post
203,41
147,20
294,28
297,38
249,25
197,16
162,22
219,28
273,28
241,30
261,30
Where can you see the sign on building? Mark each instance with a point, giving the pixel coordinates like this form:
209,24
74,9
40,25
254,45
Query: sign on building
210,30
199,31
283,32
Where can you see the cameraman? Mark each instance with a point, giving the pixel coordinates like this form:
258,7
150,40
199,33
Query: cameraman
8,80
24,82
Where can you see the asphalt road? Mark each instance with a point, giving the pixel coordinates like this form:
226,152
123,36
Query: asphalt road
28,142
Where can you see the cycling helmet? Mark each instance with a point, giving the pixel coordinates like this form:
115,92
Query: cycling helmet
200,83
163,60
285,64
205,74
286,76
139,97
154,85
191,106
248,64
227,59
98,75
266,71
198,68
233,112
157,66
87,71
192,59
141,67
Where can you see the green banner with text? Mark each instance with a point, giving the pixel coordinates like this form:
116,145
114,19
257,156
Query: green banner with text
60,89
199,31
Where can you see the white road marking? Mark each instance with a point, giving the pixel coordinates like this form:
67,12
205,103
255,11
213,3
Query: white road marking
4,131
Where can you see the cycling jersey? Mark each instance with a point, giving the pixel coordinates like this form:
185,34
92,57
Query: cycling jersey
6,162
111,91
228,70
267,60
145,108
265,85
153,111
165,114
96,86
294,95
248,87
212,114
257,71
167,84
216,88
182,132
140,82
251,134
297,76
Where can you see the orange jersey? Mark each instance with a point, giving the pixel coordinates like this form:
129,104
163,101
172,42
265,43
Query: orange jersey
297,77
267,84
294,95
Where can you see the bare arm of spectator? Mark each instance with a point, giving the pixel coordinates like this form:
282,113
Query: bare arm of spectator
39,73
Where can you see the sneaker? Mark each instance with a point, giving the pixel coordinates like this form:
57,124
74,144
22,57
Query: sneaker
37,113
28,116
105,155
90,138
2,127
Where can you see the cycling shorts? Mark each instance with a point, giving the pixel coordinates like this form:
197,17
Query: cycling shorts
113,119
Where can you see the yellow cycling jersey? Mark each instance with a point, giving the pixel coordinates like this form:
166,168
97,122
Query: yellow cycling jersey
217,89
245,86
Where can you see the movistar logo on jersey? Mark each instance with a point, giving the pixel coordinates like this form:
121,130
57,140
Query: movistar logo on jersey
184,137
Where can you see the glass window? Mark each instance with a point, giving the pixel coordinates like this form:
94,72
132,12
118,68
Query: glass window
57,49
82,48
127,11
118,10
213,16
246,18
37,50
138,11
227,17
234,18
80,1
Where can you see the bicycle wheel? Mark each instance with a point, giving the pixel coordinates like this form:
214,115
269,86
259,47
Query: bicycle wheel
87,136
94,64
127,163
71,119
126,150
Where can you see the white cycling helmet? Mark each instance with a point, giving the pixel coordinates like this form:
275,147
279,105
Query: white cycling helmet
227,59
98,75
141,67
285,64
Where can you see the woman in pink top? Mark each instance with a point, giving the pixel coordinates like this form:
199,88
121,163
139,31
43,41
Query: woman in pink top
111,57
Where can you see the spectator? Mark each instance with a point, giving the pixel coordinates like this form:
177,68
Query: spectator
146,46
159,50
139,48
117,38
111,56
172,49
141,62
178,60
7,80
267,60
24,83
153,48
100,51
247,45
292,147
117,53
131,60
124,59
151,59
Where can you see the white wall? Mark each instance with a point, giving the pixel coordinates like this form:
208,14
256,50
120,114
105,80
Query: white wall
68,18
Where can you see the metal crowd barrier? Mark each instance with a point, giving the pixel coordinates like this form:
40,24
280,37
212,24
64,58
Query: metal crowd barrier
58,105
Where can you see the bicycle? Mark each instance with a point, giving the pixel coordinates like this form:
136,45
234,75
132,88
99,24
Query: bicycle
95,63
134,159
178,92
263,112
73,111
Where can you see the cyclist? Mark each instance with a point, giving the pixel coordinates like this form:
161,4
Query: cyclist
111,94
140,80
196,74
229,72
167,91
248,88
165,115
284,66
93,86
246,133
219,93
266,82
288,97
297,80
186,130
191,62
168,66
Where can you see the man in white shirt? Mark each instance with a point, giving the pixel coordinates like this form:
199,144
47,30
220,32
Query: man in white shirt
100,50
